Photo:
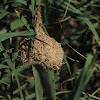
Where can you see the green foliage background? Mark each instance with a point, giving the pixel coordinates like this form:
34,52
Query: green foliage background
73,23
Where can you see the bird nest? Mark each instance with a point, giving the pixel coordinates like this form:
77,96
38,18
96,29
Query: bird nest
44,48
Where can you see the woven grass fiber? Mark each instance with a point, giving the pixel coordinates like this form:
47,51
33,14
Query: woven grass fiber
44,48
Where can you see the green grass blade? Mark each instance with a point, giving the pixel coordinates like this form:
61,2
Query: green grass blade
32,8
13,34
83,79
24,21
38,85
25,66
14,26
30,97
32,5
6,12
67,64
4,30
86,20
91,96
45,29
3,66
45,82
22,88
9,62
62,92
1,81
3,14
21,2
52,83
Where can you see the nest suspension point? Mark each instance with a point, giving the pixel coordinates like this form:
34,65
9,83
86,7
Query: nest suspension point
44,48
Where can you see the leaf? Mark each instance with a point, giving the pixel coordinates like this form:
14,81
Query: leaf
62,92
32,5
24,21
85,19
52,83
5,36
83,79
3,66
45,82
25,66
7,11
3,14
21,1
91,96
38,85
92,29
30,96
1,81
67,64
14,26
9,62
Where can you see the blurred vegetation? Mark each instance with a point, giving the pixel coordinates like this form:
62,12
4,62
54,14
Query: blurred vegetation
73,23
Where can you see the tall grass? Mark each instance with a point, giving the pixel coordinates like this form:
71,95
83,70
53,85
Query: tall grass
76,26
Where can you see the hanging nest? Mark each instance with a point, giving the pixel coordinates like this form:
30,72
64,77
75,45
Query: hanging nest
44,48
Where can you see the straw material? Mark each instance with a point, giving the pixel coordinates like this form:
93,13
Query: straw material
44,49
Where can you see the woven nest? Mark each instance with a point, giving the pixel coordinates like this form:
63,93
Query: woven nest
44,49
